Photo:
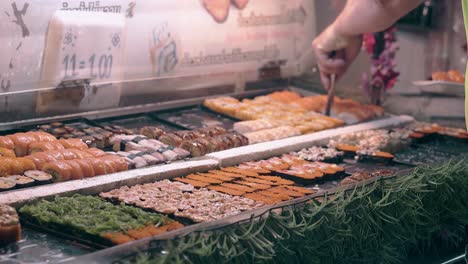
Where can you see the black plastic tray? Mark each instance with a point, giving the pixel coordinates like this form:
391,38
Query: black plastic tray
195,118
136,122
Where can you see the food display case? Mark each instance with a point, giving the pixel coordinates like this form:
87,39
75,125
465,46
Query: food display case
130,129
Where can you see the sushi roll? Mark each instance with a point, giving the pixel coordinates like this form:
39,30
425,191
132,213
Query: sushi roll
169,154
95,152
195,148
171,139
9,153
152,132
43,136
77,171
99,140
150,160
188,135
39,176
79,154
7,143
10,228
73,143
22,141
89,141
59,170
140,162
182,153
159,156
119,163
132,146
6,185
98,166
44,146
21,181
86,168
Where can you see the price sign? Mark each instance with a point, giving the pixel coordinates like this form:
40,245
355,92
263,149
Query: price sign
83,45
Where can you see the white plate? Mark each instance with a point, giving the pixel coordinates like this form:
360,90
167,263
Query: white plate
441,88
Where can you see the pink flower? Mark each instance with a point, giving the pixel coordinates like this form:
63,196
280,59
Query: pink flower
369,43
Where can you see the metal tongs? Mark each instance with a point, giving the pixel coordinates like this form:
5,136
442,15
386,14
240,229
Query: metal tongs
331,95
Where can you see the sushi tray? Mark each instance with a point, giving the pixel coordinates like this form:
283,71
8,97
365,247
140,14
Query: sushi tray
195,118
134,123
242,189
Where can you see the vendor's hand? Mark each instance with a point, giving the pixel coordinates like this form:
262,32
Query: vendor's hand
335,53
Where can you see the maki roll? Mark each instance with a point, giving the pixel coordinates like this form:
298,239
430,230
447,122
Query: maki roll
5,152
44,146
10,228
171,139
74,143
182,153
76,172
99,140
98,166
195,147
80,154
87,168
59,170
6,185
22,141
118,163
21,181
150,159
152,132
7,143
168,153
95,152
39,176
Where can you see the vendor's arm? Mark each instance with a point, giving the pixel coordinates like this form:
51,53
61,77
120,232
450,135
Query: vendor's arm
345,34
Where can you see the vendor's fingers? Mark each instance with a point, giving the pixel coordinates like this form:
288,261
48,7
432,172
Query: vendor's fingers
332,66
329,64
